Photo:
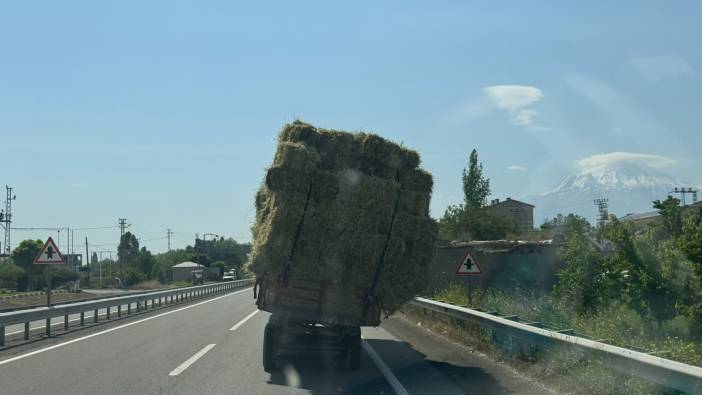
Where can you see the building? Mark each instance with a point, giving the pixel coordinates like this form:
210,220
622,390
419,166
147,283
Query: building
653,217
182,271
521,213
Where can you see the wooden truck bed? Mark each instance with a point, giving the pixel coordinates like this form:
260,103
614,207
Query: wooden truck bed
311,301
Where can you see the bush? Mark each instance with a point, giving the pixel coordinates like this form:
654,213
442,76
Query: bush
10,275
133,277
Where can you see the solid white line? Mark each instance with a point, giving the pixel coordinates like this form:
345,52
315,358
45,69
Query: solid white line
181,368
384,369
41,350
240,323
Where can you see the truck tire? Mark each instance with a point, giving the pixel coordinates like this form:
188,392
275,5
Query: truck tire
353,351
271,338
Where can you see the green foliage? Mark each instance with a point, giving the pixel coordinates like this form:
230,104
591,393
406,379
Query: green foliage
132,276
144,262
128,249
94,258
691,237
459,223
23,255
671,212
476,188
9,275
61,275
158,272
471,221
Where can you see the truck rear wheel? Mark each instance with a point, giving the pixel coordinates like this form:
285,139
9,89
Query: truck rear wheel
271,340
353,351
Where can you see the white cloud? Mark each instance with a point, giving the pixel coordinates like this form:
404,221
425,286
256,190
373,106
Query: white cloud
515,99
659,67
612,158
516,168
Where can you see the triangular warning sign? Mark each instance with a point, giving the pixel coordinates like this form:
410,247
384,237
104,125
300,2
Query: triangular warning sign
49,255
468,266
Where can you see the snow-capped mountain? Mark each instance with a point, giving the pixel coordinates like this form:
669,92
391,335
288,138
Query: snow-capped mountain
630,182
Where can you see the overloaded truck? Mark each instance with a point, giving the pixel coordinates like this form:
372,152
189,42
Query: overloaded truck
342,235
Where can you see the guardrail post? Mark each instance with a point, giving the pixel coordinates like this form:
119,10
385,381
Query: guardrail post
146,304
159,301
2,336
26,331
95,315
119,310
82,318
108,312
65,322
129,308
48,326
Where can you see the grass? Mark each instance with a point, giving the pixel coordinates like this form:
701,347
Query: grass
565,371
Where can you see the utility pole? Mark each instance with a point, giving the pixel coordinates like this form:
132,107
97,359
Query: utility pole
684,191
122,225
6,217
602,211
87,257
169,232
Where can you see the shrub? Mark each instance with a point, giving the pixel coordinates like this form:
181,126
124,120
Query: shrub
10,275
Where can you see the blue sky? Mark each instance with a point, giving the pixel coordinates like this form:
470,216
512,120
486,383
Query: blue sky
166,113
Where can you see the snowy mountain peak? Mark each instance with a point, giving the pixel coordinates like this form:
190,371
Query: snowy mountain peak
627,174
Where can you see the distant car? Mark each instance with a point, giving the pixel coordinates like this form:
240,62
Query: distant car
229,276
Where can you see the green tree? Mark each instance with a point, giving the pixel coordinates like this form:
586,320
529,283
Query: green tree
476,188
23,256
691,237
94,258
127,251
144,262
671,212
10,275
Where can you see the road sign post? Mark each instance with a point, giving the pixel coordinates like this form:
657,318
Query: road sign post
467,268
49,255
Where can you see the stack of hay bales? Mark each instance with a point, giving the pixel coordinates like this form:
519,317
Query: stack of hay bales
345,208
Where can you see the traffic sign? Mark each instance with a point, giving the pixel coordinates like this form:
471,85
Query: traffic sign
468,266
49,255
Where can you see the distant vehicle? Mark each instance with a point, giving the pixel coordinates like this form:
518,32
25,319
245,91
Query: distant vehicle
197,277
229,276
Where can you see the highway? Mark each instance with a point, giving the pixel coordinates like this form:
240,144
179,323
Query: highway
213,346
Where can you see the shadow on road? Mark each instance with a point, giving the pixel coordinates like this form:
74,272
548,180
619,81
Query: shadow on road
419,375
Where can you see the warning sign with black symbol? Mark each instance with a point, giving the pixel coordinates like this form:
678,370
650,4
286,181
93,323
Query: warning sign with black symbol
468,266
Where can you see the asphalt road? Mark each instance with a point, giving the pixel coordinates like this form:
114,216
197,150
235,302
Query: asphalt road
213,346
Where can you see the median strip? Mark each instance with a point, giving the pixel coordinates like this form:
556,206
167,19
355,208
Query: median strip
240,323
181,368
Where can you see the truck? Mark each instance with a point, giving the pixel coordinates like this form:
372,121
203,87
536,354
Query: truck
313,318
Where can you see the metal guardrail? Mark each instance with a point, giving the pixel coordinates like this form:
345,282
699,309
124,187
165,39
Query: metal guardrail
141,300
666,372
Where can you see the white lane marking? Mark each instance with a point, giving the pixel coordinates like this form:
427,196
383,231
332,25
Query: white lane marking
181,368
41,350
384,369
240,323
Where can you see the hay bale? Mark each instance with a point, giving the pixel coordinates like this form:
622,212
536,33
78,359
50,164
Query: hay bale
282,179
357,200
295,156
413,202
416,180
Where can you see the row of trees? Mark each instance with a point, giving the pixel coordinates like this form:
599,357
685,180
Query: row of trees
136,264
655,270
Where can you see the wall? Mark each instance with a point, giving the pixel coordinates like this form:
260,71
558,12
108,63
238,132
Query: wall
504,264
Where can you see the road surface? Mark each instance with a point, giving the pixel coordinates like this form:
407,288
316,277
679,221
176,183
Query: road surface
213,346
